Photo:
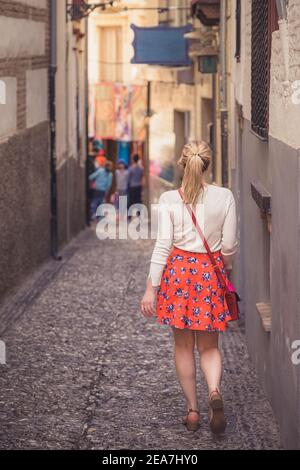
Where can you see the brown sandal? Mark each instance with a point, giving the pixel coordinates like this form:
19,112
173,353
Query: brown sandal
217,420
194,425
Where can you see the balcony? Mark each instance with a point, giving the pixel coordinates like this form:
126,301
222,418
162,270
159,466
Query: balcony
207,11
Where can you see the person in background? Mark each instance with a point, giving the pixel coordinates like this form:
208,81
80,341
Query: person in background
99,151
90,169
122,176
103,178
101,158
97,145
135,181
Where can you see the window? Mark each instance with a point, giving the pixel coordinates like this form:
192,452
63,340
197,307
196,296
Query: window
110,54
264,22
165,16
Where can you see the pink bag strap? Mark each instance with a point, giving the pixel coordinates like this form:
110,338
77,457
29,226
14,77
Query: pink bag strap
213,261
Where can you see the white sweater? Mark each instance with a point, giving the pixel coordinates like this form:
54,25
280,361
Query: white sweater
216,215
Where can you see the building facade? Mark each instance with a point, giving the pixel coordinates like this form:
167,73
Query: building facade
263,61
118,89
24,134
42,177
70,140
184,99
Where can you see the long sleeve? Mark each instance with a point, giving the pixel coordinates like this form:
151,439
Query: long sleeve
163,243
129,177
94,175
230,242
109,181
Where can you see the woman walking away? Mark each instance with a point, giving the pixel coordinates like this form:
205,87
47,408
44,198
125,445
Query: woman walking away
183,283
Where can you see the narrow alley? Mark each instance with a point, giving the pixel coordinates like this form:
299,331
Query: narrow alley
85,369
108,107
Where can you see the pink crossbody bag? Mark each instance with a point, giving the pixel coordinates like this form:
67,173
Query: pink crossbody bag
231,296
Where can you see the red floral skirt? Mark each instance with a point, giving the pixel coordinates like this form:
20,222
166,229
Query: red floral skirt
190,295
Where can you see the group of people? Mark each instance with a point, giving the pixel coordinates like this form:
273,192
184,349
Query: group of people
128,182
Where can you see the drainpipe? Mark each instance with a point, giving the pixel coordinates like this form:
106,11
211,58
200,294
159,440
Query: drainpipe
214,133
147,150
223,93
88,221
52,110
67,102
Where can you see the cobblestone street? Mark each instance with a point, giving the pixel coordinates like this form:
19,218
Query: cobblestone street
85,370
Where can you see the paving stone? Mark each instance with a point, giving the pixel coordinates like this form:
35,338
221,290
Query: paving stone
85,370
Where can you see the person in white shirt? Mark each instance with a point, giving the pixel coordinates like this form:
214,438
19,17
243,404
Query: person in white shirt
183,290
122,176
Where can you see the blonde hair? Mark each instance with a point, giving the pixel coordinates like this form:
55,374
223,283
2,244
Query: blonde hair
195,159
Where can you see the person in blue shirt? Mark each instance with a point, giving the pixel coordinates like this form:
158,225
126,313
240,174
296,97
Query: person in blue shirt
103,178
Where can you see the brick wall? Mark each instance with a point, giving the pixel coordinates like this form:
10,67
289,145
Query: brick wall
13,62
24,140
25,193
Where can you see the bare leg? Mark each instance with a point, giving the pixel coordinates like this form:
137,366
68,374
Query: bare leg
210,358
186,365
211,365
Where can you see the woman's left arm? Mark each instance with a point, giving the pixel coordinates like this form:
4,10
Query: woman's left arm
230,241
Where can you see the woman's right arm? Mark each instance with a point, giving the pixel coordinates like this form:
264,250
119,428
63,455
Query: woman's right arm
230,241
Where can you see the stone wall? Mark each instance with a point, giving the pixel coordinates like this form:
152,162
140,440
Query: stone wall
271,276
24,139
285,80
25,194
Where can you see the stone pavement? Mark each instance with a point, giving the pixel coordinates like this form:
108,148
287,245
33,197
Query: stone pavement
85,370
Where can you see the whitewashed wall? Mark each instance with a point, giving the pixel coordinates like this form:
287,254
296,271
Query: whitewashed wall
26,86
282,101
21,37
36,96
284,98
34,3
8,108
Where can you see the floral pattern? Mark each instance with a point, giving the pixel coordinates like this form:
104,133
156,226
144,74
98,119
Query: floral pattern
190,295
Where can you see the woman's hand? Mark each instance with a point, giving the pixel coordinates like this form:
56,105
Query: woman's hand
148,301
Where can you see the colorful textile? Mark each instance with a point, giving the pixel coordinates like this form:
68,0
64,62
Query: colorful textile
118,111
190,296
123,117
105,122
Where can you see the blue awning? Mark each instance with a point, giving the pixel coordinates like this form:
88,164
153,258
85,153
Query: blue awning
161,45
